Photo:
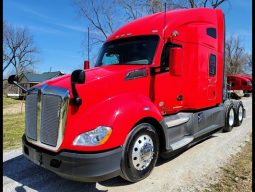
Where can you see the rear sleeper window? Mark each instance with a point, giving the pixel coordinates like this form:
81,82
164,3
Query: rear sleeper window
211,32
212,65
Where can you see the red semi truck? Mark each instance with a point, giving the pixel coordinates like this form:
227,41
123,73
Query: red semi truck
157,88
239,82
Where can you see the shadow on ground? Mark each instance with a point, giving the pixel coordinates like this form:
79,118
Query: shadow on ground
168,157
26,173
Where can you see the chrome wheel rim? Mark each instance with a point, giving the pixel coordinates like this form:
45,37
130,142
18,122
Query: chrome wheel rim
240,113
142,152
231,117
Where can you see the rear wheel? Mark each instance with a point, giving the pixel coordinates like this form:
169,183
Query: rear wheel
246,95
239,113
233,95
229,116
140,153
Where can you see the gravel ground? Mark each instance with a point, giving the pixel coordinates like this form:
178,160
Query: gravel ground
190,171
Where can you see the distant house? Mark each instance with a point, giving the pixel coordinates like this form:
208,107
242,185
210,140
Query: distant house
29,80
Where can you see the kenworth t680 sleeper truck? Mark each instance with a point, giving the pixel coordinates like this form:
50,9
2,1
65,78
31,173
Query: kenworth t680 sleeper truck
157,88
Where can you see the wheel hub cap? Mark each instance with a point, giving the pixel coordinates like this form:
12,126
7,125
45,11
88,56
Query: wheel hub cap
231,117
142,152
240,114
146,152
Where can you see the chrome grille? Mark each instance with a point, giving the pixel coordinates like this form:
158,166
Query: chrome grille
46,111
31,113
50,119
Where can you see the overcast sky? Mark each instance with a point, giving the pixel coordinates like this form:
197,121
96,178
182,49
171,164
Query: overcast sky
59,33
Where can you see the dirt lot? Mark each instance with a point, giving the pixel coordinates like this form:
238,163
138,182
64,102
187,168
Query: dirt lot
237,175
193,170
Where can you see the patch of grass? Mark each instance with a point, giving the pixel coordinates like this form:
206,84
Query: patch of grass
13,129
237,175
7,102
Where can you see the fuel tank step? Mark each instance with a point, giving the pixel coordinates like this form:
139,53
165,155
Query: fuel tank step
175,122
181,143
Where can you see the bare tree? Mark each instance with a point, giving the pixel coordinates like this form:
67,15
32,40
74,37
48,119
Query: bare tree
139,8
235,56
248,67
184,4
249,60
153,6
199,3
100,17
105,17
133,9
18,48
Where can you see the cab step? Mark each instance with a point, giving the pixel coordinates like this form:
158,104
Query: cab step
175,122
181,143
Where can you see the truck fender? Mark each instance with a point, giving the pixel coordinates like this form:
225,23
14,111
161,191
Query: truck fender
136,109
120,112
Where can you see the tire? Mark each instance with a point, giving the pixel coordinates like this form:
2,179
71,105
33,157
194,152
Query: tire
246,95
239,113
229,116
233,95
140,153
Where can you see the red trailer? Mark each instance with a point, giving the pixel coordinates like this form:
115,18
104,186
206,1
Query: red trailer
249,83
157,88
239,82
248,77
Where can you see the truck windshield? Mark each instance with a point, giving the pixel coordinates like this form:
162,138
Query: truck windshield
133,50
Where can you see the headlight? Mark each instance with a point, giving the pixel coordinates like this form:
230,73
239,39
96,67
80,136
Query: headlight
95,137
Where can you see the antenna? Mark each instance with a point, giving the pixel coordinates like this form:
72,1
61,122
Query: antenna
88,43
164,38
165,24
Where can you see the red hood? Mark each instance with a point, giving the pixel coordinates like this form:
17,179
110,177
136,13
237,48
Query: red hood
93,74
101,87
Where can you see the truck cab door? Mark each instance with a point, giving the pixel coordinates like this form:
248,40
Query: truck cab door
168,83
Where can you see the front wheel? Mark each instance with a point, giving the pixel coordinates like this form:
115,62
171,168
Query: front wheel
140,153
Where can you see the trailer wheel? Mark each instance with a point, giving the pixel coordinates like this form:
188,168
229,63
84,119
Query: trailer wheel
239,113
233,95
140,153
246,95
229,117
